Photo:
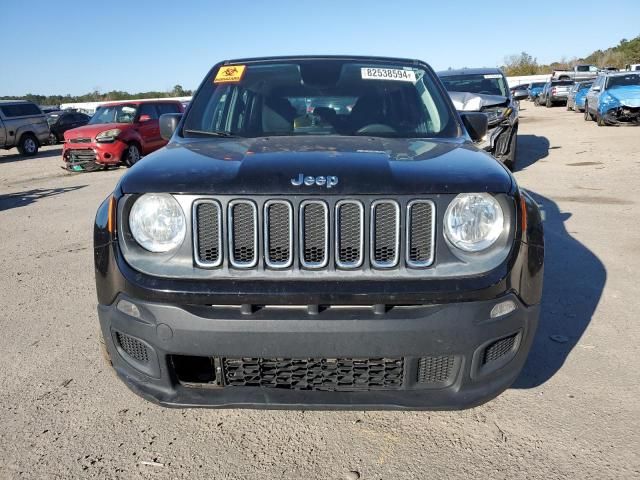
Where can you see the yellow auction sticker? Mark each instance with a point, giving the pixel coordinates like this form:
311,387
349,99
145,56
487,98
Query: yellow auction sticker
230,73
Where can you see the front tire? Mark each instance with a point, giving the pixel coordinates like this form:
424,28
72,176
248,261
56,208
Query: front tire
28,145
548,103
53,139
600,121
587,115
510,160
131,155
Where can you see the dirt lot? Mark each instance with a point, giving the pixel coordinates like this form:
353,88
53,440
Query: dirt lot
574,412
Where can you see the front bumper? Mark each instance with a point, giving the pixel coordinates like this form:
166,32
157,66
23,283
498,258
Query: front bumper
498,140
98,153
461,332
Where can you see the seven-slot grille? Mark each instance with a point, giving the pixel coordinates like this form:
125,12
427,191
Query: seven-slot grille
310,234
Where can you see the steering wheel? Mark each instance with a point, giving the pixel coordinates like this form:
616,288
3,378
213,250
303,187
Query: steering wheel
377,128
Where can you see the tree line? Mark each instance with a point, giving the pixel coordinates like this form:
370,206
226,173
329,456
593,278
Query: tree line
97,96
626,52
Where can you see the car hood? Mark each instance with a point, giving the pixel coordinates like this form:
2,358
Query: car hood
475,102
363,165
90,131
628,95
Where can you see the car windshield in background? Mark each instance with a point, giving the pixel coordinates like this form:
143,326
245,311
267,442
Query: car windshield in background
537,85
52,118
487,84
624,81
326,97
114,114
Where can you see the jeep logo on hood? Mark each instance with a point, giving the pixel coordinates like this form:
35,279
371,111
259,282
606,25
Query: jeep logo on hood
302,179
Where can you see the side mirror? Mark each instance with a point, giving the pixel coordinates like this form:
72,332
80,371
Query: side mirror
144,118
476,124
168,124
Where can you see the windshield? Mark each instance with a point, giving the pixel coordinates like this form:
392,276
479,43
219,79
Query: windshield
114,114
488,84
320,97
52,118
537,85
624,81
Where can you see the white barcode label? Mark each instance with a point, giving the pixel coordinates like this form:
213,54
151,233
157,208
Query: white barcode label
397,74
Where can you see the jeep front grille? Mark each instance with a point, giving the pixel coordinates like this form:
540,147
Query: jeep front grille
278,234
314,234
243,234
349,234
311,234
385,233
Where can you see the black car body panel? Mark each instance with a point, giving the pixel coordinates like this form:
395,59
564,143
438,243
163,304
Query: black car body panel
327,338
266,165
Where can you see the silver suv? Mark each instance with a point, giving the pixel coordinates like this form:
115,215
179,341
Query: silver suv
22,125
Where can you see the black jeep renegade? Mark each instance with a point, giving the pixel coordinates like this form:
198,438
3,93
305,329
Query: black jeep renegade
320,231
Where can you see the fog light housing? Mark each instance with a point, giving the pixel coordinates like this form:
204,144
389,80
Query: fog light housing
503,308
128,308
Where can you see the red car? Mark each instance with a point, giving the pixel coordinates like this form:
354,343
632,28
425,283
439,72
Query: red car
118,133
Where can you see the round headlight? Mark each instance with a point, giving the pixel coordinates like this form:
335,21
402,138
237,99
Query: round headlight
157,222
473,221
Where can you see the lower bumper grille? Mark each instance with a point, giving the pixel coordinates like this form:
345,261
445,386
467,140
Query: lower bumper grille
80,155
133,347
328,374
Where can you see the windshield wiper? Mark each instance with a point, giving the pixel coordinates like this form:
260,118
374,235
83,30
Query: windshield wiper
214,133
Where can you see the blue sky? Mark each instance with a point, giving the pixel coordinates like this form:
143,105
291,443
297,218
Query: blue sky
77,46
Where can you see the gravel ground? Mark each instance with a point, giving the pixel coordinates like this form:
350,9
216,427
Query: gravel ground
574,412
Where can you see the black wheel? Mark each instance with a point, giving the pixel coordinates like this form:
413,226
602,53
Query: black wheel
510,160
587,115
548,103
600,121
131,155
53,139
28,145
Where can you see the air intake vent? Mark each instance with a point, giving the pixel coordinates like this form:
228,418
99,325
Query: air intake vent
243,234
436,370
420,233
499,348
278,234
349,234
208,233
329,374
133,347
385,233
314,238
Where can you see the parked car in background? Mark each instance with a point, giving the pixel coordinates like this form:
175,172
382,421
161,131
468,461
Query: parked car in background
580,96
486,90
49,108
61,121
520,92
614,98
634,67
22,125
118,133
573,92
577,74
535,88
554,92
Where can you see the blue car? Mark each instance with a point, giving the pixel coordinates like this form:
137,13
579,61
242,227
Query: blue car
614,98
535,89
577,96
